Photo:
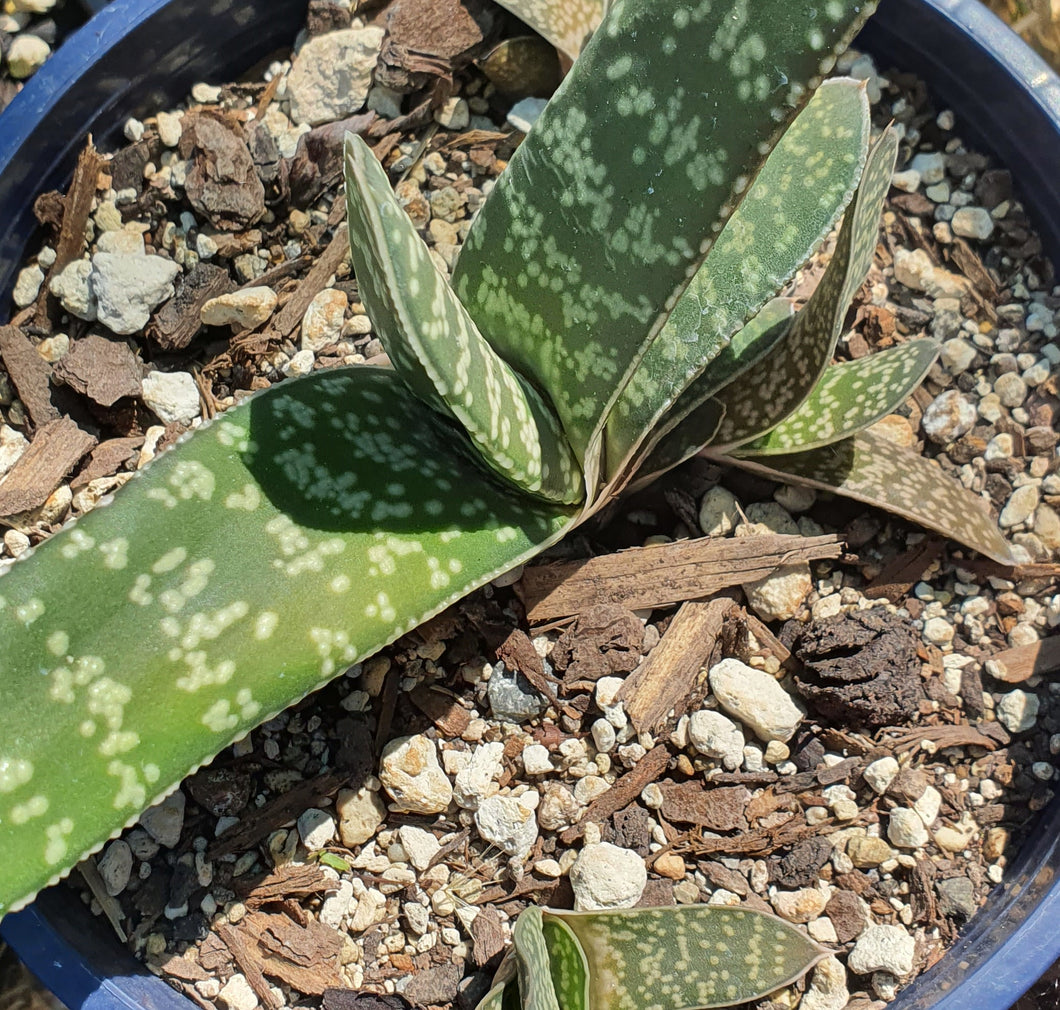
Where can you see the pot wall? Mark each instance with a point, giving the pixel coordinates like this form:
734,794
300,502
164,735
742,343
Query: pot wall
125,62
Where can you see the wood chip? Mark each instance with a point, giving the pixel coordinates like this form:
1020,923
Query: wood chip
249,964
106,459
100,368
176,323
1014,666
623,792
717,809
903,572
442,709
30,374
77,205
663,574
284,322
488,936
665,681
54,452
288,881
306,957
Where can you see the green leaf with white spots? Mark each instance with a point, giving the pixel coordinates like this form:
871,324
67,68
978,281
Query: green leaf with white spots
791,206
849,397
870,469
297,533
684,432
676,958
436,348
764,394
609,207
565,23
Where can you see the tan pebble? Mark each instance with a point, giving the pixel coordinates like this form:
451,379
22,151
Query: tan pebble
995,844
894,428
670,866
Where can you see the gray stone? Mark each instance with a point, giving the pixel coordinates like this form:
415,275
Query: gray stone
129,288
74,291
420,845
474,782
957,355
316,828
332,73
1017,711
828,987
973,222
948,417
236,994
930,165
173,396
883,948
716,736
410,773
27,54
322,322
606,876
957,897
336,906
525,113
1020,506
361,812
244,309
1011,389
512,697
165,821
115,866
509,823
756,699
27,285
905,828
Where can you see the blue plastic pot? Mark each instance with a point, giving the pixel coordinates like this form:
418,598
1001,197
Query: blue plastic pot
139,55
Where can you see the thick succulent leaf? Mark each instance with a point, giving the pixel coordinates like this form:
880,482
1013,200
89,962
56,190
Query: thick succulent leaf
849,397
564,23
566,964
682,434
610,205
774,386
297,533
536,990
436,348
871,469
793,203
687,956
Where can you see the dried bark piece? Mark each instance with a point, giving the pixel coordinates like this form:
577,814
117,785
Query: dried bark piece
900,575
176,323
107,458
221,183
285,321
289,881
667,679
54,452
718,809
317,162
517,653
663,574
76,207
801,866
306,957
352,999
860,668
487,936
425,42
100,368
606,639
441,708
249,964
436,986
30,373
847,912
1014,666
623,792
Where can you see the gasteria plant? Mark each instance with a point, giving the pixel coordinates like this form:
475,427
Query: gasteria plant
648,959
613,311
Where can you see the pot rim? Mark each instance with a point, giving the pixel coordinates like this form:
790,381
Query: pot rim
1015,96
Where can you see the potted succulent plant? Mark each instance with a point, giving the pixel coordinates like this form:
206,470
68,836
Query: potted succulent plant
392,269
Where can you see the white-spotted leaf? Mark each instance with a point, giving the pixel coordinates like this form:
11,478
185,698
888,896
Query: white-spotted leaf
791,206
435,346
299,532
639,158
564,23
774,386
873,470
848,398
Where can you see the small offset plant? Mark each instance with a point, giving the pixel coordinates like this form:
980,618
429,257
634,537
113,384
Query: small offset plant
648,959
613,311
